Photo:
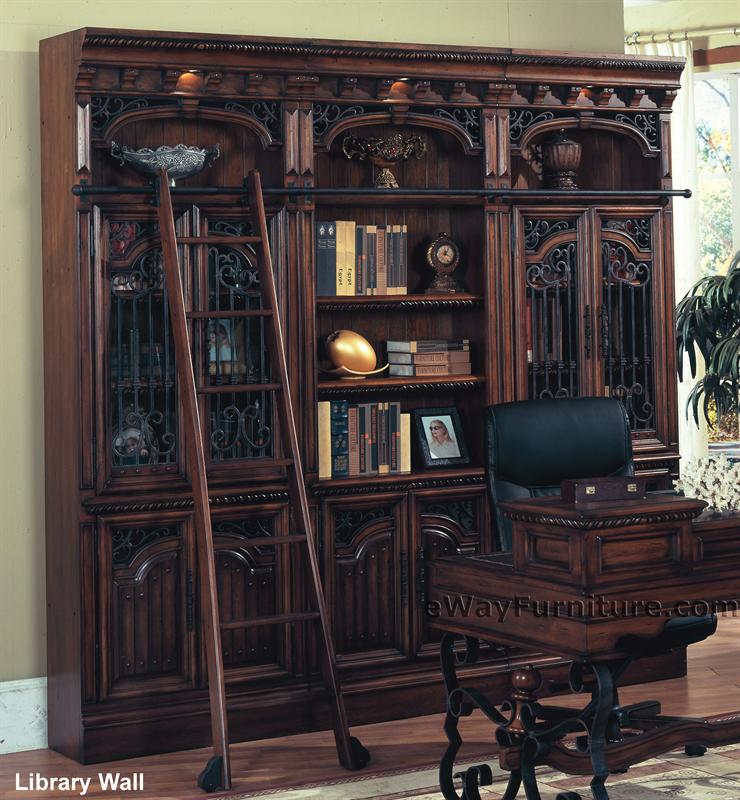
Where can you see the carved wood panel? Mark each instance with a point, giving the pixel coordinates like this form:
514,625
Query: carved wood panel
446,524
367,577
146,610
253,581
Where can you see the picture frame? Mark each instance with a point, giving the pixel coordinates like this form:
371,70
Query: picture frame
439,437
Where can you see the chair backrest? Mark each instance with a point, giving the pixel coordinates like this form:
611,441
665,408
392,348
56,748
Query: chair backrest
535,444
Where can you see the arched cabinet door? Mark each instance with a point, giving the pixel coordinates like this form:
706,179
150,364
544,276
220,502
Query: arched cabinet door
449,524
366,577
145,590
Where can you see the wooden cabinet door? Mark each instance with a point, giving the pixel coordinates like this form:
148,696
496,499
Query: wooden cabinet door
444,524
552,315
367,578
145,627
632,344
254,581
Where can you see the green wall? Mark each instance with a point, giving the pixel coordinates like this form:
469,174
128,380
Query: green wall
586,25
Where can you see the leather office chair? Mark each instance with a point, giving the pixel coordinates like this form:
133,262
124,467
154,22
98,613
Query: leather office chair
532,446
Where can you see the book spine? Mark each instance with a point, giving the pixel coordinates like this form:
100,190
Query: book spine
396,251
448,357
383,460
339,438
410,370
395,435
360,268
405,462
340,250
374,438
350,259
427,346
372,258
354,442
324,440
381,286
326,258
362,436
404,259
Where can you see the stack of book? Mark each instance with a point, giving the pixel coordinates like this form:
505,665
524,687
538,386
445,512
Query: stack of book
356,259
363,439
425,357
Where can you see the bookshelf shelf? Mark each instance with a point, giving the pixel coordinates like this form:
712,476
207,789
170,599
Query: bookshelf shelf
417,479
394,198
344,388
399,302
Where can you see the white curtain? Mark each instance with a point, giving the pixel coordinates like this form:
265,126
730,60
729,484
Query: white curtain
692,440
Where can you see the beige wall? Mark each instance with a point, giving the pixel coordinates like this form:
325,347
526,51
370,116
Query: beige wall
592,25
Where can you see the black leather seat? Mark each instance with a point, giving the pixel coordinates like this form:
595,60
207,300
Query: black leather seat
534,445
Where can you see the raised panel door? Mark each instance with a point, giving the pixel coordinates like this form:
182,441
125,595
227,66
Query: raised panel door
367,577
146,622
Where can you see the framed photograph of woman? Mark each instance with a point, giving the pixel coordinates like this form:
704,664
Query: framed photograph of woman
439,437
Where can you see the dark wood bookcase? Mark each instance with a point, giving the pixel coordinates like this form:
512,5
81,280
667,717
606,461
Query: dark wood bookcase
566,294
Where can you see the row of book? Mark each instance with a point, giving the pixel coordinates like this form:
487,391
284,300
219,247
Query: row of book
425,357
363,439
356,259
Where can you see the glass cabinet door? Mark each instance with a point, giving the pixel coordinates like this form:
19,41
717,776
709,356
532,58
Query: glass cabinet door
550,324
137,377
627,281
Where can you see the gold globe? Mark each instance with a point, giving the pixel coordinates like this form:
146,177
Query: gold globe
350,350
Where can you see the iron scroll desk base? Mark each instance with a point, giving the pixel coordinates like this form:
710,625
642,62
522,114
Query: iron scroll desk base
609,738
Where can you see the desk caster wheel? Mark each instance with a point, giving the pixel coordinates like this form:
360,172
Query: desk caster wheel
695,750
360,754
210,779
568,796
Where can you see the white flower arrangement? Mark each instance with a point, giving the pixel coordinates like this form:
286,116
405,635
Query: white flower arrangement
714,479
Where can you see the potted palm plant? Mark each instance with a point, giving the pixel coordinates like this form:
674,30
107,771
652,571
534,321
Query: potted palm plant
708,320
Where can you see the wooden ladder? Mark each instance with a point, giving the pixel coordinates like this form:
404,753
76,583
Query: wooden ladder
217,773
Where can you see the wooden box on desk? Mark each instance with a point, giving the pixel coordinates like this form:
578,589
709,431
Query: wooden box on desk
590,546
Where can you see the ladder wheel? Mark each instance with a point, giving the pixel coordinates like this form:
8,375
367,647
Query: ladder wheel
360,754
211,778
695,750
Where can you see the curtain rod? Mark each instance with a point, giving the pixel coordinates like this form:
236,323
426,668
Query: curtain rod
678,36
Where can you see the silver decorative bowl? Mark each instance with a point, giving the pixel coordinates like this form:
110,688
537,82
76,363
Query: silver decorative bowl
180,161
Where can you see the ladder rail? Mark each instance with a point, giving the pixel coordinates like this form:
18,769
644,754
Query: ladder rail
297,483
197,468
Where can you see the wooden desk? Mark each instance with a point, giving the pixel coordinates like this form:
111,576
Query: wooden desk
579,579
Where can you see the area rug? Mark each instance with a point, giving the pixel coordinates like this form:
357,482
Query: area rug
675,776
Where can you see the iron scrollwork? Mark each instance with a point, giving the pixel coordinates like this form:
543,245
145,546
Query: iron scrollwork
234,428
349,522
266,113
141,362
520,119
554,270
464,117
234,270
127,542
106,109
639,229
646,123
537,230
326,115
462,512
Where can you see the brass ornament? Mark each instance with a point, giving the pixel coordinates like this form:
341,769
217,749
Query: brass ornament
351,355
384,153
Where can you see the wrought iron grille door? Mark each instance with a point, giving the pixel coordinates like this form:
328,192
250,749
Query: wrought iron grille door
550,272
626,315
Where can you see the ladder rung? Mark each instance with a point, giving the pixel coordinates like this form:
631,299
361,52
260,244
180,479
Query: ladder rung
258,541
266,461
257,312
239,388
219,240
274,619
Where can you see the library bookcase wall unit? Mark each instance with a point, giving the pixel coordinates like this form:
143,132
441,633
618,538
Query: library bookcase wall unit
565,294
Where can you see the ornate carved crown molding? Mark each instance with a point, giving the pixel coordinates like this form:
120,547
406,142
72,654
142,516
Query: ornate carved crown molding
95,506
362,50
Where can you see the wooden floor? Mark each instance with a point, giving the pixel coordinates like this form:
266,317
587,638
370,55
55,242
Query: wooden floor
712,687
